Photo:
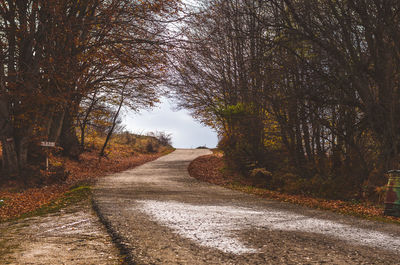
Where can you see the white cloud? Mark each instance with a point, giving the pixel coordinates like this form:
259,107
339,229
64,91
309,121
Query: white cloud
186,132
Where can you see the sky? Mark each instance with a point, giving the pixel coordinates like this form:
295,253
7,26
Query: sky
185,131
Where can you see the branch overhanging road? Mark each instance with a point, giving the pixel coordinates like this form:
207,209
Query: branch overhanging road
160,215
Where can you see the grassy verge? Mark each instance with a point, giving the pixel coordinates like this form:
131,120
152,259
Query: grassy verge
211,169
70,197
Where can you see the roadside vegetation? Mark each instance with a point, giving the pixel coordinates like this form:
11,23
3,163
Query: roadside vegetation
213,169
304,94
69,70
50,191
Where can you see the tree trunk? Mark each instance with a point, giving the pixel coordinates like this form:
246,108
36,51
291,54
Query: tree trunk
68,138
110,132
84,122
83,130
10,158
306,134
56,126
10,163
23,146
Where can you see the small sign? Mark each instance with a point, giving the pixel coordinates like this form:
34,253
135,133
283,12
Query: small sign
48,144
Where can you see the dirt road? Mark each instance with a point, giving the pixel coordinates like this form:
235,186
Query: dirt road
161,215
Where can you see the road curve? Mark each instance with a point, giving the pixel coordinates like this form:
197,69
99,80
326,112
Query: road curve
160,215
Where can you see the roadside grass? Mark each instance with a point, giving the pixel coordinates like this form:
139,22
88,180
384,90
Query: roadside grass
212,169
73,196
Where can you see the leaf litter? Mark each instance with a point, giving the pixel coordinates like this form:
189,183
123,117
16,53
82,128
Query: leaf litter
210,168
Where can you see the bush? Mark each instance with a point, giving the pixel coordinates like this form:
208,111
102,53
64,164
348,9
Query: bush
130,139
151,146
163,138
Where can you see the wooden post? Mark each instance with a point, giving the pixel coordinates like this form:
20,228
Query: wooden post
48,145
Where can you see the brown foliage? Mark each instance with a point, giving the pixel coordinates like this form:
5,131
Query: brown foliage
55,55
304,89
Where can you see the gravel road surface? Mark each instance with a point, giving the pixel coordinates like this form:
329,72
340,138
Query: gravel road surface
160,215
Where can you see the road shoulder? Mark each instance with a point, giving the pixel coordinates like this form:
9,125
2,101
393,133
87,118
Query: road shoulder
73,235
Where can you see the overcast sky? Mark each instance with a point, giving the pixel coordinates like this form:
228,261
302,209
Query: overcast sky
186,132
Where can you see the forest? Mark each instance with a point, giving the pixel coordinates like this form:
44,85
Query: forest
304,96
69,68
304,93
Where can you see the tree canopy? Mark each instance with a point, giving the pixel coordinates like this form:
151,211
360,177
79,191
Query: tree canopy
55,55
308,90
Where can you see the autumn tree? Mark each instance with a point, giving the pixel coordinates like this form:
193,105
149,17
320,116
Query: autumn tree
317,77
220,75
55,53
